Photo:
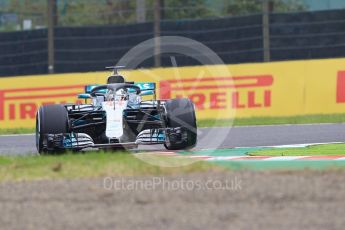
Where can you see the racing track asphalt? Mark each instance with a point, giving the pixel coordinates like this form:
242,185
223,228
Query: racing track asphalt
249,136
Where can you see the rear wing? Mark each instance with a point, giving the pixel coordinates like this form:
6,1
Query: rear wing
147,88
89,88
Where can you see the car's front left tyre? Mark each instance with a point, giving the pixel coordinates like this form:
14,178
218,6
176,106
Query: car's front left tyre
50,119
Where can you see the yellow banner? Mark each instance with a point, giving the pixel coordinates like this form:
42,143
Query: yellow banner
244,90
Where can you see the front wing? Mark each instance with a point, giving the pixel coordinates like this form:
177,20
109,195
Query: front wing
78,141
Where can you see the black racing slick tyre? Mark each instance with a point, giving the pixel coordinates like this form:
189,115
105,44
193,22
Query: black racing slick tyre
50,119
181,113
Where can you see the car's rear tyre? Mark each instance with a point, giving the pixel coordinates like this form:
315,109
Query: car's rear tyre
181,113
50,119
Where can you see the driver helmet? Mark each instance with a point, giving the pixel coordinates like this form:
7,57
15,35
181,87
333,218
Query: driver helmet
120,95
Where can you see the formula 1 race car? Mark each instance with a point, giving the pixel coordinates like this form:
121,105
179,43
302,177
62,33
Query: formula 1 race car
118,117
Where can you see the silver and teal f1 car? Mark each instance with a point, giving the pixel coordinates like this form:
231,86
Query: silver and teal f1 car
116,118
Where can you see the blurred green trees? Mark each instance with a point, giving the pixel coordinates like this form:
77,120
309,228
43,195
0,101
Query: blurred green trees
105,12
243,7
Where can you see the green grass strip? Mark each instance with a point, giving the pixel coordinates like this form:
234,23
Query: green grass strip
17,131
318,165
90,165
314,150
310,119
